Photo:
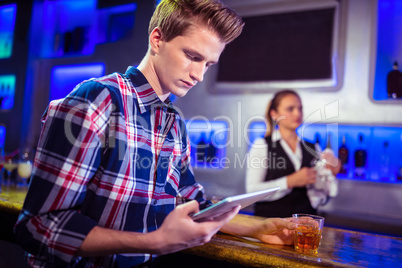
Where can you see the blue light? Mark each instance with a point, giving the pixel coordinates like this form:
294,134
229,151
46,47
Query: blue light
121,23
72,28
2,135
389,43
7,91
209,140
65,78
256,130
62,18
7,23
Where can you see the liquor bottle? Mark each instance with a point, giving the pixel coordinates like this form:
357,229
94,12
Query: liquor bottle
68,42
399,173
329,146
360,159
384,162
343,154
393,82
317,145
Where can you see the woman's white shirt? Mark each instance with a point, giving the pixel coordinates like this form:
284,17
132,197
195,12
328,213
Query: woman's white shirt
258,160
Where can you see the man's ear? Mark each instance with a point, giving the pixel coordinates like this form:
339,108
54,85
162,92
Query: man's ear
154,40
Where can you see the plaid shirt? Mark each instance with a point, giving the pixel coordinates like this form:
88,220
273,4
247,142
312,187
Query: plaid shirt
110,154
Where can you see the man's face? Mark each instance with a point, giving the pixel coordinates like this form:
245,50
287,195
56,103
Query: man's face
182,62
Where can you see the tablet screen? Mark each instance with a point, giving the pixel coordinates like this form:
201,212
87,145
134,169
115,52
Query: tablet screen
229,203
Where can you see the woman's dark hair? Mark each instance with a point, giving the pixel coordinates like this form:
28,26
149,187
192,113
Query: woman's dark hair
273,106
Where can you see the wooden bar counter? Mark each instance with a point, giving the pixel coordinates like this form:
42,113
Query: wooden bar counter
339,248
11,200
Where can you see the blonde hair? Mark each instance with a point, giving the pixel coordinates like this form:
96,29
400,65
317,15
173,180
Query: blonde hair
273,106
173,17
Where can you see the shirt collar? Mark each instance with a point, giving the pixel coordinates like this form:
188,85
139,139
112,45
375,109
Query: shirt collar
296,156
146,95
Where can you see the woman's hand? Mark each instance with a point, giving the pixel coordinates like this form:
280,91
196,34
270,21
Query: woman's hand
302,177
333,163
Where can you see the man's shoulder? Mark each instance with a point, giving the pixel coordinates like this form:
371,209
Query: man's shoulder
91,89
110,80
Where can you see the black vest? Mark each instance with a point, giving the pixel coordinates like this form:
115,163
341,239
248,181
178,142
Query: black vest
279,165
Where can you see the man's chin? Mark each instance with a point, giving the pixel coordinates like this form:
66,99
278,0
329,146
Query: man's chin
181,93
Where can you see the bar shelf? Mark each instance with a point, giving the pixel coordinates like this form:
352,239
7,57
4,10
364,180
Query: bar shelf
381,165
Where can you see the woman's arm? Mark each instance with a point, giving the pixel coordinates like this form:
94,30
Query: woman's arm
257,163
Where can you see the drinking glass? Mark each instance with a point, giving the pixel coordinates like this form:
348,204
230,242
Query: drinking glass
25,162
10,164
308,233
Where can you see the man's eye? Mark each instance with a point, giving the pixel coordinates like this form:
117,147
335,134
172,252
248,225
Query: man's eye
193,58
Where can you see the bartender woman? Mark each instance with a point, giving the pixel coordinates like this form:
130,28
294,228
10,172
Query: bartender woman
282,159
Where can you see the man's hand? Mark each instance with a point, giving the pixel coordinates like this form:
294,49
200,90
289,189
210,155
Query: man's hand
179,231
271,230
276,231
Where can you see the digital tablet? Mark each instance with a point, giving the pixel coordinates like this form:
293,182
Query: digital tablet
229,203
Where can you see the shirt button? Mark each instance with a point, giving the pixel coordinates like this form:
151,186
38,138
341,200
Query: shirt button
155,202
159,127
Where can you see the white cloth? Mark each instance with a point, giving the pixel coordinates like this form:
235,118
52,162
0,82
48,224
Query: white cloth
326,184
258,162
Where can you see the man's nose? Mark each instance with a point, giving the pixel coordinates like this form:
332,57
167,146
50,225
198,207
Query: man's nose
197,72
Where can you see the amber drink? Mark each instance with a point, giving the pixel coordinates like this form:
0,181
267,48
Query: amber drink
308,233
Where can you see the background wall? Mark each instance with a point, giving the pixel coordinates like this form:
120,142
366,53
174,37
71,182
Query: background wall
116,56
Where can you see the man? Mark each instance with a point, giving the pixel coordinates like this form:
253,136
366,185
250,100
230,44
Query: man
114,155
